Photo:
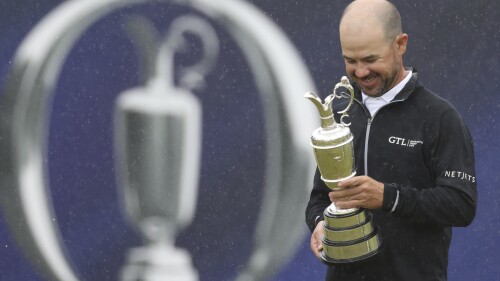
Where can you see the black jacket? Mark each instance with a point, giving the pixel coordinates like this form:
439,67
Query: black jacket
417,144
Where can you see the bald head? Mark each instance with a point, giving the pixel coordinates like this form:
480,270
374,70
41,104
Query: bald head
361,15
373,45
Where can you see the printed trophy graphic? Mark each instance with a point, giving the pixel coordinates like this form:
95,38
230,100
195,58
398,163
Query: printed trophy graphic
158,146
349,234
157,137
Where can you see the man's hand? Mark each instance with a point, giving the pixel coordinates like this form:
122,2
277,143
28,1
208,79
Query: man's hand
358,192
316,237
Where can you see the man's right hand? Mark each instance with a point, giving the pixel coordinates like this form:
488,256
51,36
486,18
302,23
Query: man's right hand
316,237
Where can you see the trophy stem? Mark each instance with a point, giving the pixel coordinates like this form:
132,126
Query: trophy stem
156,262
332,209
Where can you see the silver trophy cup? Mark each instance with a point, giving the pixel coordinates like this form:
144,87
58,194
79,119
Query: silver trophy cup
348,233
157,138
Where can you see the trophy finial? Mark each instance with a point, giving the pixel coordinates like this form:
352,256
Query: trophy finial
344,80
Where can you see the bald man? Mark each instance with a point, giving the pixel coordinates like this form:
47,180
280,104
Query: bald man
414,156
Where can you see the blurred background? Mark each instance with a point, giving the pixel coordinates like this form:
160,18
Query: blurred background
453,44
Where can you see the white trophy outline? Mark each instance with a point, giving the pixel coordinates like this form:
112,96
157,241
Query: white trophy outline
279,73
157,149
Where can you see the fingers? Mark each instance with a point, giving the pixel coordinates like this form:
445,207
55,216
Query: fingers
358,192
353,182
347,194
350,193
348,204
344,193
346,200
316,246
316,237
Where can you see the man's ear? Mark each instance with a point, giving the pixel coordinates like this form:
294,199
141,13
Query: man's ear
400,43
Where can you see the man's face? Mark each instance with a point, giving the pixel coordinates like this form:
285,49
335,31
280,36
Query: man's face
372,62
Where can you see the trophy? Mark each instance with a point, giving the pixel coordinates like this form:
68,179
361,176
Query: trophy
157,137
349,234
158,147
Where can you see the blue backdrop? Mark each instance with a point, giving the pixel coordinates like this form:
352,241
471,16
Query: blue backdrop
454,45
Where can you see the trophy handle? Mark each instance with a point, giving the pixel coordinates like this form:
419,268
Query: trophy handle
344,83
193,76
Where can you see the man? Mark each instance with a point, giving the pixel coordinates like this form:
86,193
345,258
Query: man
414,156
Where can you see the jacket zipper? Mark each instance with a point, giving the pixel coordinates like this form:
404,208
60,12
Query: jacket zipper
368,127
367,137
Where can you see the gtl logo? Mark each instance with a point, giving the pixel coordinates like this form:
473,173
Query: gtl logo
404,142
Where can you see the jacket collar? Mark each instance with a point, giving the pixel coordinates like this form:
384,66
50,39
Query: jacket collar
409,87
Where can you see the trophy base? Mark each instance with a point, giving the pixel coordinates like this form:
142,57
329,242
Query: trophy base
342,218
158,263
330,261
351,251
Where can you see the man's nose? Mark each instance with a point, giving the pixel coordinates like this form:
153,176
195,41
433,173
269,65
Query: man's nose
362,71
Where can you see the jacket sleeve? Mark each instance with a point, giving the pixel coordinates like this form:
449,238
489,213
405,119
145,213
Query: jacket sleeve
453,199
318,202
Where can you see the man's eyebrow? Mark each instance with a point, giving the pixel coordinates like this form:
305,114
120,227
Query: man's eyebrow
369,57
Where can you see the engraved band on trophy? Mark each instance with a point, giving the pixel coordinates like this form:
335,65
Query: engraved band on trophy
349,234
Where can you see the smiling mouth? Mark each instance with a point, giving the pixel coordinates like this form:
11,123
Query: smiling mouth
368,81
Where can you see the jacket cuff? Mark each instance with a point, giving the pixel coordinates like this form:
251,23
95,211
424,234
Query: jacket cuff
391,196
318,219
